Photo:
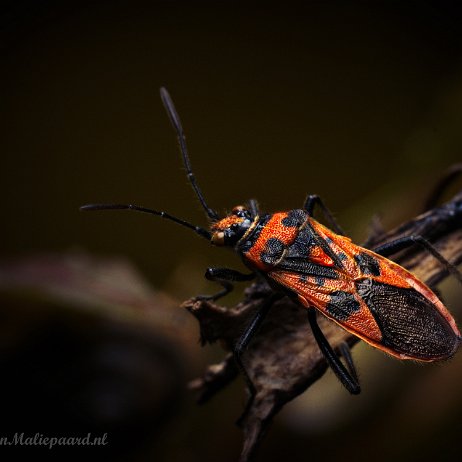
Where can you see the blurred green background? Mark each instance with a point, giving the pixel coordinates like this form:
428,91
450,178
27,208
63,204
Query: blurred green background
359,102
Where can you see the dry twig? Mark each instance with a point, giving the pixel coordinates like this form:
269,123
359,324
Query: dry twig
283,359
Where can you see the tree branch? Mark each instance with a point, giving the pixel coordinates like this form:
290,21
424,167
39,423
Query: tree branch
283,359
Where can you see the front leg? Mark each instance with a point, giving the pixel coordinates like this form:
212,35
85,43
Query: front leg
253,207
225,277
242,344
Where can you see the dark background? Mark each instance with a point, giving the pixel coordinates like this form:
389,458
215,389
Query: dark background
359,102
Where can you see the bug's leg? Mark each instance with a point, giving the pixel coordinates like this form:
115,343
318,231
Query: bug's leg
346,353
244,341
311,201
253,207
404,242
225,277
348,380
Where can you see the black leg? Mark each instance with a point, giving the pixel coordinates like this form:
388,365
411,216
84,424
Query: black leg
225,277
253,207
311,201
348,380
402,243
244,341
346,353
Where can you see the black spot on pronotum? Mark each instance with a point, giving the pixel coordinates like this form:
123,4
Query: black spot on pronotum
368,264
410,324
295,218
301,247
342,305
273,251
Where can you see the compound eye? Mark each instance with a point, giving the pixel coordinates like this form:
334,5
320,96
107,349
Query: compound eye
238,210
235,227
218,238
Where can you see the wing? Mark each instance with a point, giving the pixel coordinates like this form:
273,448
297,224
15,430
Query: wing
368,295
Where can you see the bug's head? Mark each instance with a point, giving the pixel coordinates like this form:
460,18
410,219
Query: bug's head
225,231
229,230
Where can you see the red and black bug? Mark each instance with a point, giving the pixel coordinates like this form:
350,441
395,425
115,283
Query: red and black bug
360,289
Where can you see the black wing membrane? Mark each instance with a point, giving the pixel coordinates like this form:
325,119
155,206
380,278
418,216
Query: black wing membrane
409,322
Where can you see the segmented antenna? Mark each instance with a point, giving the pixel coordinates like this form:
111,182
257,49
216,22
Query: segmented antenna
176,122
197,229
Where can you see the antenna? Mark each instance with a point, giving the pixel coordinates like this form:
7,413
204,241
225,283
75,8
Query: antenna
176,122
197,229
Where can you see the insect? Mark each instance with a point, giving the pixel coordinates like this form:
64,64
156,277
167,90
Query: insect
324,271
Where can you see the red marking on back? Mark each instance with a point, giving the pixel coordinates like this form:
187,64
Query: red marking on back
273,229
317,255
360,323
